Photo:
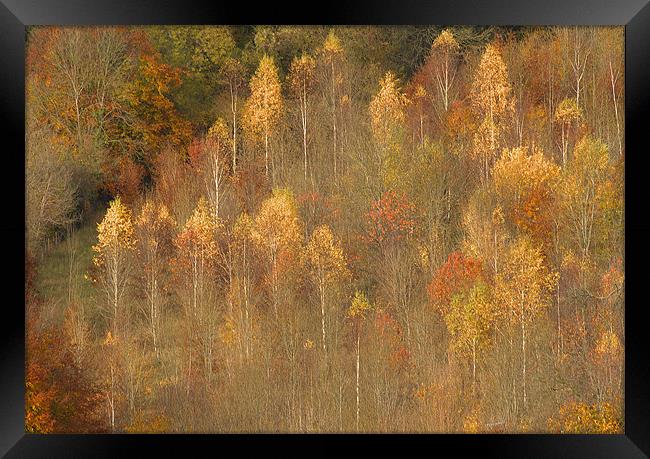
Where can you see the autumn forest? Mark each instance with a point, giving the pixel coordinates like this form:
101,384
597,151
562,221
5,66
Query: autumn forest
324,229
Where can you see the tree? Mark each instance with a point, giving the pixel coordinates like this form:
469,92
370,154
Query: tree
490,95
301,80
326,265
216,143
566,115
75,89
579,417
154,228
578,51
195,262
357,313
332,51
522,288
458,274
243,245
156,122
264,107
390,218
277,230
59,396
525,185
234,73
444,52
113,258
49,188
387,119
583,190
419,96
469,321
214,46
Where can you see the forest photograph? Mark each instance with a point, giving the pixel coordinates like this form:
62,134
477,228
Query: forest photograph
324,229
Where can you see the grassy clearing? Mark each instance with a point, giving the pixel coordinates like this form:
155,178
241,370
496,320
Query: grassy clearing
61,276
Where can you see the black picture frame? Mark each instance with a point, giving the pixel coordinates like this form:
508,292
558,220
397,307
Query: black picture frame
15,15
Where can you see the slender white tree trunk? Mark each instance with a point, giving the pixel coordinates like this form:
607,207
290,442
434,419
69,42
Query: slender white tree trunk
322,315
357,419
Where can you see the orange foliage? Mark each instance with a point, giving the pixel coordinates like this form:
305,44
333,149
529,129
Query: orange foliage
391,218
458,273
157,121
59,396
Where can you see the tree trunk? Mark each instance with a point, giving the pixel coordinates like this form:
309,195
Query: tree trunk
334,117
357,419
523,351
266,153
322,316
304,127
474,366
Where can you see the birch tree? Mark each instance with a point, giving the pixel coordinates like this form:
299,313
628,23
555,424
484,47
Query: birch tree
301,81
113,258
523,288
333,50
326,265
444,53
357,313
154,228
492,103
264,107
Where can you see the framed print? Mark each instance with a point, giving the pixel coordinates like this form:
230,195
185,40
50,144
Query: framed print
386,224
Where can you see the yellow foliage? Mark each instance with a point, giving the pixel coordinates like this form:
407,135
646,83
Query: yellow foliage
420,92
332,44
525,184
387,111
198,240
471,423
324,256
228,332
243,228
608,345
491,91
580,418
155,223
524,284
219,132
470,319
114,233
360,306
301,74
277,225
446,41
568,111
263,108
